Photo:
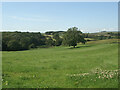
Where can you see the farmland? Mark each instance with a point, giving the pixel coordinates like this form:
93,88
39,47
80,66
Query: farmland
90,65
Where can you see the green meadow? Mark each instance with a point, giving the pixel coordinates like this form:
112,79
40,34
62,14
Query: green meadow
90,65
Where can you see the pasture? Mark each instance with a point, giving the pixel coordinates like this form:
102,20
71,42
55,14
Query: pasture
93,65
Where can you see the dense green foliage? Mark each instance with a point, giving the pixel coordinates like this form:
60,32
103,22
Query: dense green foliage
50,42
72,37
90,65
54,32
102,35
58,40
13,41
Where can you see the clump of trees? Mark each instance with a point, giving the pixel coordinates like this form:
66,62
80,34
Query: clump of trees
102,35
50,42
54,32
13,41
58,40
72,37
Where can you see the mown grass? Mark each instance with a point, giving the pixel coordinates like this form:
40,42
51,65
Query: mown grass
63,67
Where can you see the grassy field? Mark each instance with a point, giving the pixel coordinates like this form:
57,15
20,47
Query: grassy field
93,65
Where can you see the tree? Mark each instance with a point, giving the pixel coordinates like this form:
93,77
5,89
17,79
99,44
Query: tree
82,40
25,42
32,46
72,37
13,45
4,46
49,33
56,36
50,42
58,40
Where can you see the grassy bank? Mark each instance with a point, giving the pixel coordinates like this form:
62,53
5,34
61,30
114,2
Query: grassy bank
93,65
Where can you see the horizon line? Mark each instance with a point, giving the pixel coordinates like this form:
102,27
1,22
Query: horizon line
57,31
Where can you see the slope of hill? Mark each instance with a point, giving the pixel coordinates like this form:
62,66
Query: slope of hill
93,65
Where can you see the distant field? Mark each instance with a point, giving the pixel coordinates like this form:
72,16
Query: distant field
93,65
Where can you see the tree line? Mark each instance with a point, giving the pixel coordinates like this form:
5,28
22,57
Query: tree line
106,35
14,41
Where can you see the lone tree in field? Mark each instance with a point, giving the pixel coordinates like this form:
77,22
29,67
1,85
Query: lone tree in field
72,37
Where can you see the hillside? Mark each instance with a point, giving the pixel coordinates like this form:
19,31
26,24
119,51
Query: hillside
93,65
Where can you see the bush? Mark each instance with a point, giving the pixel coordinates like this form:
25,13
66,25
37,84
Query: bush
50,42
32,46
13,45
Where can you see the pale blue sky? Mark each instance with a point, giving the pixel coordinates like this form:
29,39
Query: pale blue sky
46,16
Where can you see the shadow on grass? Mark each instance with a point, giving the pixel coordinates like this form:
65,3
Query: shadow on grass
78,47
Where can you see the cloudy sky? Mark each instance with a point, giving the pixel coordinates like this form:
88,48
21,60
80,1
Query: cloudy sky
47,16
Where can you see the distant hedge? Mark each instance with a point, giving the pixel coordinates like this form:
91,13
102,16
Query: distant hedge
13,41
